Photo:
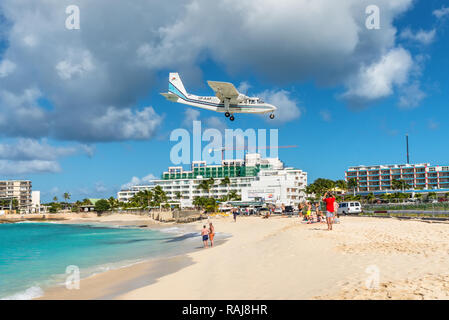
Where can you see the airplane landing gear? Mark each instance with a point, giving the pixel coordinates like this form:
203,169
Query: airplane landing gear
227,114
232,118
272,116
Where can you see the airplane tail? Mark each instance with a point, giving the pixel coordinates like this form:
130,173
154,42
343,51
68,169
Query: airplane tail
175,85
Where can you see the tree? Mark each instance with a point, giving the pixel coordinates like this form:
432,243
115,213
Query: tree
399,185
341,184
101,206
352,184
320,186
370,197
178,195
66,197
55,199
206,185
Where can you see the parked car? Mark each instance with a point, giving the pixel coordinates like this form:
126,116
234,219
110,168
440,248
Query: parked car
278,211
288,210
351,207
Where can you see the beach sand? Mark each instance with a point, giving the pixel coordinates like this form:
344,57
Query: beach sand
282,258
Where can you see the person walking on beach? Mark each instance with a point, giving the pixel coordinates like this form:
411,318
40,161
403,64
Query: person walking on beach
211,234
205,235
234,213
329,200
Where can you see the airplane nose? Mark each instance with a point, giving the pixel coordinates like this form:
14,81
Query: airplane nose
274,108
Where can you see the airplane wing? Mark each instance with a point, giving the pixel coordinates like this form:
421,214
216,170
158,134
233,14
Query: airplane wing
224,90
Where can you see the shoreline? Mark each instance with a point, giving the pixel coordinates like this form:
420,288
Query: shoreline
283,258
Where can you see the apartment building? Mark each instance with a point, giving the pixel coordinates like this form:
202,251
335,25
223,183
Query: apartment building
19,190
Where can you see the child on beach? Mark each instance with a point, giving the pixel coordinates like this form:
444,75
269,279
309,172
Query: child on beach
205,235
211,234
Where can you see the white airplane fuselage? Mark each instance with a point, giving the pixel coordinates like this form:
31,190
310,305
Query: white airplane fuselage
213,103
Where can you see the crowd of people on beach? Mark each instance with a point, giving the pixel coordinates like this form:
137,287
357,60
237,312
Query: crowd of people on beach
311,212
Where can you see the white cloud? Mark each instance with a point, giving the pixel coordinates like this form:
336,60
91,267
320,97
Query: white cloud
114,125
135,181
422,37
190,115
411,96
379,79
288,108
30,149
75,65
6,68
17,168
440,13
244,87
112,65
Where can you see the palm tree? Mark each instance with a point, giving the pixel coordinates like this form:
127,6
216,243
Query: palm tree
226,182
206,185
352,184
112,203
66,197
55,199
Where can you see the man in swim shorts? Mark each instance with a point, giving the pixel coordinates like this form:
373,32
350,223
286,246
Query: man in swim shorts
329,200
205,235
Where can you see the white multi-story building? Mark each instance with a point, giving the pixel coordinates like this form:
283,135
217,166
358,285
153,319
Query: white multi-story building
417,176
19,190
284,186
249,177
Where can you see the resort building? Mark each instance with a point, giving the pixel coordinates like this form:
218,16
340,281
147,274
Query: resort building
19,190
421,176
251,178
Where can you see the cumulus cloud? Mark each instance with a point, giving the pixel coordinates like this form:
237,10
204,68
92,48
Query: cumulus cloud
17,168
26,156
411,96
136,181
95,75
29,149
288,108
422,37
6,67
190,115
379,79
442,12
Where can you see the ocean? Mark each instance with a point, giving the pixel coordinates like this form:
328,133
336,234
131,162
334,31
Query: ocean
35,256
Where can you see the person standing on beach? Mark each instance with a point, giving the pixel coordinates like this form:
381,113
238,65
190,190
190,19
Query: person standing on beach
234,212
211,234
329,200
205,235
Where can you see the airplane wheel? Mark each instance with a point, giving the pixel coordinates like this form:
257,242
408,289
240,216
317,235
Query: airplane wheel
227,114
232,118
272,116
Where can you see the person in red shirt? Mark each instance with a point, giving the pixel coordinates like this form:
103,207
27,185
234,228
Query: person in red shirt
329,200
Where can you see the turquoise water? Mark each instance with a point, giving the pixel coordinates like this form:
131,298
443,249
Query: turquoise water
34,256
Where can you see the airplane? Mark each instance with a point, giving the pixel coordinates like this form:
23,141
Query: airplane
227,100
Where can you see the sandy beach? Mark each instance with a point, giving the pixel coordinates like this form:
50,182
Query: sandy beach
282,258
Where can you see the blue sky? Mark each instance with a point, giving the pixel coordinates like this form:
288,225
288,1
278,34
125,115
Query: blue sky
81,110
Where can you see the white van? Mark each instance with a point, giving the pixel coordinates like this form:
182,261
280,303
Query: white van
352,207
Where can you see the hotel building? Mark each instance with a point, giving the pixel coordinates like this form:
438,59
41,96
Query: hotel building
17,189
251,178
417,176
